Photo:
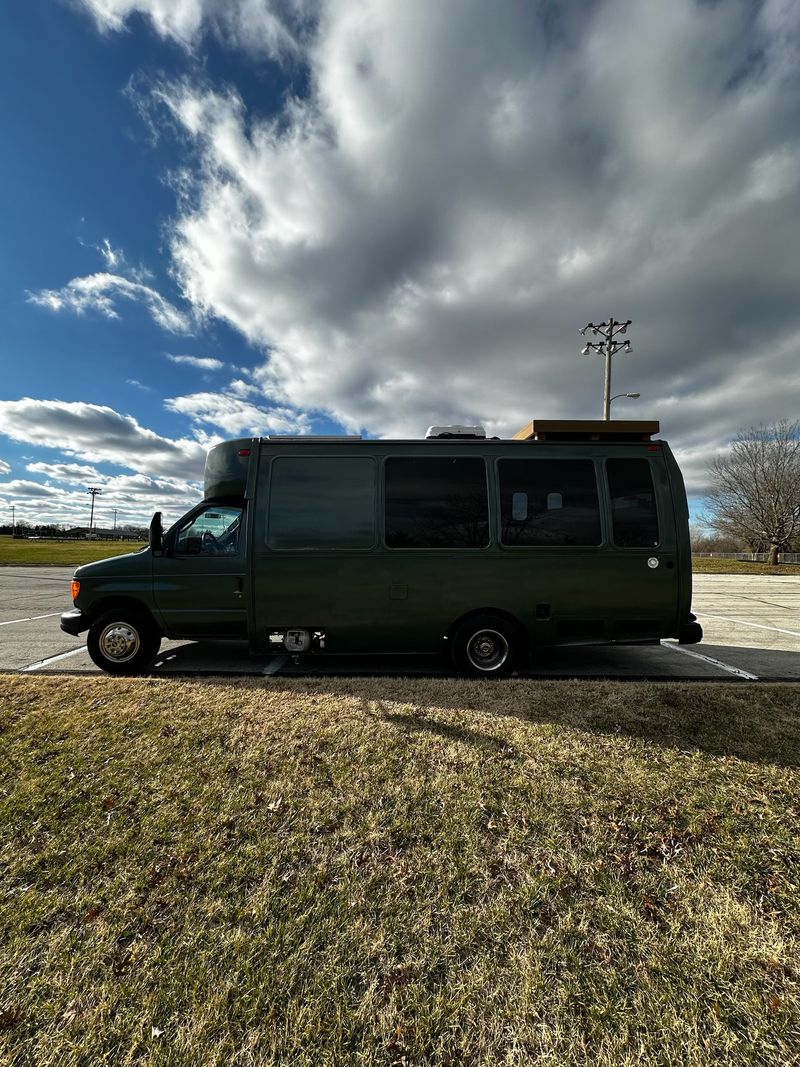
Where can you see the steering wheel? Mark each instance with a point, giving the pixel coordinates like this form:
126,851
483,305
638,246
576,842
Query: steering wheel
209,541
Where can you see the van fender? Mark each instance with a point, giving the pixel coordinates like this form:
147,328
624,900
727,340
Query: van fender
128,603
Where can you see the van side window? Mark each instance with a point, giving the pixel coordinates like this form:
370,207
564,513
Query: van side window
321,502
633,503
214,532
436,503
562,502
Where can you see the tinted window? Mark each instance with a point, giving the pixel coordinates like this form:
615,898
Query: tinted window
322,502
549,502
214,532
436,503
633,503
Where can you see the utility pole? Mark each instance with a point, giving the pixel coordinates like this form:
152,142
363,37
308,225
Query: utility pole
13,509
115,520
607,347
95,492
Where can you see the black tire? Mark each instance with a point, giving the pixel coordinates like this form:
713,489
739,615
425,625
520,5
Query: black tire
123,642
486,646
690,633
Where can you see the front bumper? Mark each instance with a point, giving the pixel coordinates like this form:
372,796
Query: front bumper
74,622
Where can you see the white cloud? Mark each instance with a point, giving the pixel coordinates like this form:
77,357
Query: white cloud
257,25
238,387
158,473
114,257
237,416
200,362
418,239
22,489
137,384
101,435
73,473
5,468
101,292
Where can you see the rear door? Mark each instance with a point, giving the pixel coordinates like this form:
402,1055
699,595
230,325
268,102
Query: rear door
640,558
199,588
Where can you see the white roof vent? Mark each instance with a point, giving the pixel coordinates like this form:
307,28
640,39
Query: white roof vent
455,431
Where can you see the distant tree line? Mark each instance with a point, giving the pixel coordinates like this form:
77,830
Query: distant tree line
123,532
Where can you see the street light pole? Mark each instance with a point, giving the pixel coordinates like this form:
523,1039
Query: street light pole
607,347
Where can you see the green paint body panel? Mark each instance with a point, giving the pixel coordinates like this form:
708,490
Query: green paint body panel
381,600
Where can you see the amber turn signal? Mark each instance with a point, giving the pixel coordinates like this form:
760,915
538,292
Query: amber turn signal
76,588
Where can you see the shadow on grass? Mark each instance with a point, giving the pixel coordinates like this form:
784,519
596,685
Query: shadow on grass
450,732
756,722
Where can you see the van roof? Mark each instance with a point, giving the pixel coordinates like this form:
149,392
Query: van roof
537,430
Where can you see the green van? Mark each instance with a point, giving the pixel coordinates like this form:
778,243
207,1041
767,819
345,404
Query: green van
486,549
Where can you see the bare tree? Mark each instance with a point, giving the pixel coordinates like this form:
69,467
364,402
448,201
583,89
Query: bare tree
755,488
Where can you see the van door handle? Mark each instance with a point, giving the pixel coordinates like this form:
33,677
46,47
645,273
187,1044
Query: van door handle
239,590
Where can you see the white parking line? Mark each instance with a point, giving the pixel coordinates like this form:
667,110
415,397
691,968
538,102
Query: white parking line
275,664
31,618
52,659
744,622
714,662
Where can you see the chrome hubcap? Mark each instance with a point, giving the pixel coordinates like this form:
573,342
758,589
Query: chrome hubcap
487,650
119,641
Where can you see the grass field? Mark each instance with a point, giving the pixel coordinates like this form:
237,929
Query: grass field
712,565
24,553
396,872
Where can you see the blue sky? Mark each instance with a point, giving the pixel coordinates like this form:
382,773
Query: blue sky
369,217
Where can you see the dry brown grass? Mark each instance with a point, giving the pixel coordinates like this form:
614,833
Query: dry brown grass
715,565
390,871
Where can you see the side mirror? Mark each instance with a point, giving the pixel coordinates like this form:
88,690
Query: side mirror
156,533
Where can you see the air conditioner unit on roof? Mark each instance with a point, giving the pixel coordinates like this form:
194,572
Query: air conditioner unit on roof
455,431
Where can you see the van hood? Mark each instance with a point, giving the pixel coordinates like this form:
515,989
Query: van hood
131,563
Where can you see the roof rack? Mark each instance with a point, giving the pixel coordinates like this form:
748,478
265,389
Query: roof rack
587,430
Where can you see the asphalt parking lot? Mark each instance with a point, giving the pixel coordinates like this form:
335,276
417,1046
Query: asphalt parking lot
751,625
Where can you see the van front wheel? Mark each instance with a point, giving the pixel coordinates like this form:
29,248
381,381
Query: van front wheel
122,642
485,647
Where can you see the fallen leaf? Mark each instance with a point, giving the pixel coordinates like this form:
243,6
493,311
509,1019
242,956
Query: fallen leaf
774,1003
108,803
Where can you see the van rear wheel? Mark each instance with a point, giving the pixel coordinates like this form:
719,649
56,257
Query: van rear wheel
122,642
485,646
